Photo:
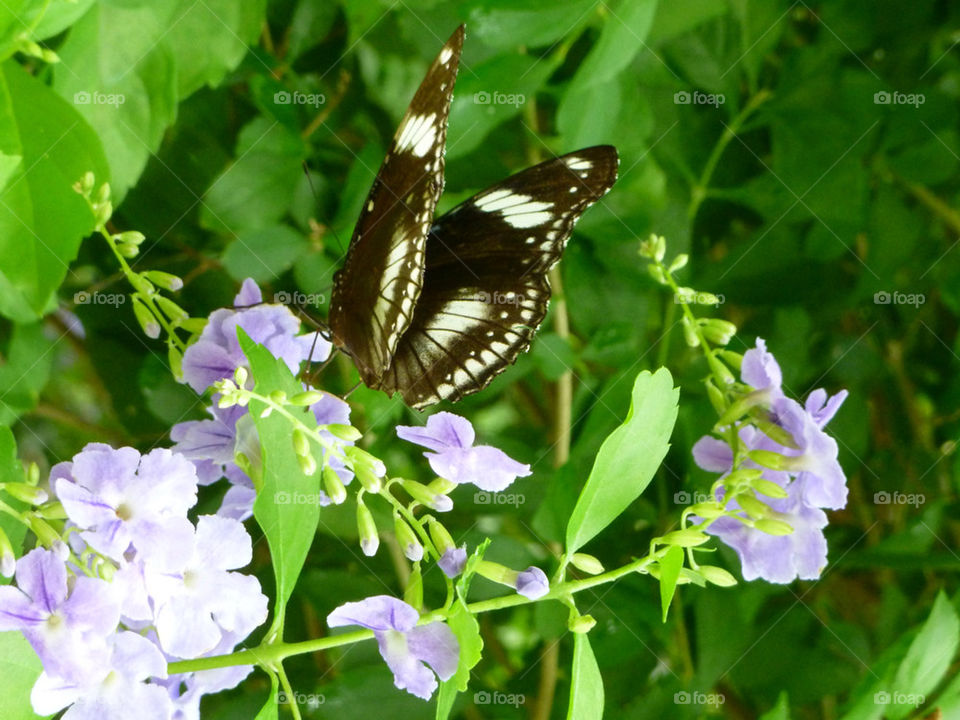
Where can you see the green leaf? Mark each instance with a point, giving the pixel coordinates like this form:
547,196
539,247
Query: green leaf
59,15
16,19
289,526
42,219
270,710
627,459
263,253
28,356
670,566
586,684
780,711
530,23
11,471
257,189
928,658
19,669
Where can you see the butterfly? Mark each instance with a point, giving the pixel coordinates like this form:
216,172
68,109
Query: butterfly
435,308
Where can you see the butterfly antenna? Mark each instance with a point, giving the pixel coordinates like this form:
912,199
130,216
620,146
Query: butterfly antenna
350,391
306,171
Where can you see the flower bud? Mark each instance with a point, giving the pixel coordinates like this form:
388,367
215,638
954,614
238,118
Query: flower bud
134,237
175,360
773,527
587,563
148,323
278,397
165,280
359,456
194,326
768,459
86,182
307,464
367,528
656,272
347,433
769,488
301,443
442,486
27,493
408,540
717,576
685,538
413,593
582,624
128,251
333,485
497,572
370,482
717,331
716,397
8,560
32,473
689,333
754,507
308,397
679,262
425,496
438,533
44,532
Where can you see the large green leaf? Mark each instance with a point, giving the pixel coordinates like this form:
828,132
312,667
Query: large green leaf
670,567
42,219
19,669
627,459
288,523
28,357
586,683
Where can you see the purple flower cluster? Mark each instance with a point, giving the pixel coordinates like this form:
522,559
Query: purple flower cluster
213,444
170,591
810,473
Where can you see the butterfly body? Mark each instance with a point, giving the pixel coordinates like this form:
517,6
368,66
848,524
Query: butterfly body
435,308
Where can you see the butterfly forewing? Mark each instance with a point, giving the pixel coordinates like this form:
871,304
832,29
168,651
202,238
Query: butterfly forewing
485,288
375,292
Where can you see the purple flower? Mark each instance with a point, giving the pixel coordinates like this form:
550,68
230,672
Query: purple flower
404,645
217,354
779,558
119,691
122,500
760,371
821,408
187,690
203,601
532,583
66,628
456,459
453,561
815,462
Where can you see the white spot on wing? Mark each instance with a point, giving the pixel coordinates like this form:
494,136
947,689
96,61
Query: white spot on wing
578,163
445,55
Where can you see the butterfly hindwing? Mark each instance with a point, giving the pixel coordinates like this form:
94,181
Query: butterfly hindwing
375,292
485,288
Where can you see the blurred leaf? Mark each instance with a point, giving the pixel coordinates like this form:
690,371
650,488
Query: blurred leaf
627,459
19,669
507,24
670,566
586,683
24,370
42,219
781,711
263,253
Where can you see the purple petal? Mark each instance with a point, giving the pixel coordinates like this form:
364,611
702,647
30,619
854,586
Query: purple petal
760,369
93,604
437,646
184,632
486,467
223,543
205,362
408,672
822,409
532,583
713,455
99,466
453,561
443,430
249,294
379,612
331,410
238,503
43,577
17,611
83,507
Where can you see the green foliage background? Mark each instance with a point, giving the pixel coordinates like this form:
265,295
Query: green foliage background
799,197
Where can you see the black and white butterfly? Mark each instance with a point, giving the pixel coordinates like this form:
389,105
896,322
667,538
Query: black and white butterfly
435,308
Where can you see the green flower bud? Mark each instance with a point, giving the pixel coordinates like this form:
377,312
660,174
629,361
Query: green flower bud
103,194
367,529
8,560
689,333
301,443
306,398
370,482
240,376
278,397
753,507
768,459
716,396
731,358
165,280
128,251
134,237
679,262
194,326
413,593
45,533
32,473
347,433
717,331
24,492
769,488
717,576
175,360
441,538
102,212
706,510
773,527
442,486
333,485
148,323
86,182
52,511
423,495
307,464
656,272
408,540
587,563
497,572
581,624
685,538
